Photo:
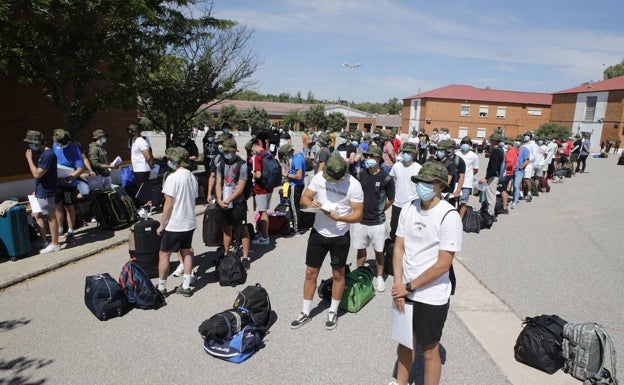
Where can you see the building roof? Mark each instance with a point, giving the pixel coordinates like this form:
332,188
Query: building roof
272,108
470,93
388,120
603,85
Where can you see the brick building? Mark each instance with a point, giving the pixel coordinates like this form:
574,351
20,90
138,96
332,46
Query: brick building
476,112
595,109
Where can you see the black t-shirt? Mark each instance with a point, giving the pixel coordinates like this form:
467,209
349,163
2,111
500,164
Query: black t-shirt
578,145
377,188
455,165
423,138
348,147
496,158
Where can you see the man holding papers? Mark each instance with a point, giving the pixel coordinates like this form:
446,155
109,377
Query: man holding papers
428,235
99,158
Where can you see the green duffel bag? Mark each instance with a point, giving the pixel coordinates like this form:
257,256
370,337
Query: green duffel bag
358,289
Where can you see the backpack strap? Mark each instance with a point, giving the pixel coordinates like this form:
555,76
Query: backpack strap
229,325
603,376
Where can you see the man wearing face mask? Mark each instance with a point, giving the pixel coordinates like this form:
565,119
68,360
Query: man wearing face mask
285,137
44,173
214,164
471,160
456,168
378,189
428,236
402,173
274,140
492,174
141,157
99,158
521,162
183,140
388,154
211,150
178,221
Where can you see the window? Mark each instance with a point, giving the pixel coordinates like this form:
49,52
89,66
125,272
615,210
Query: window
590,108
483,111
463,131
501,112
534,111
480,132
465,110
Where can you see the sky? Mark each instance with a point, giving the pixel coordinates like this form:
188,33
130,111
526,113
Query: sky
409,46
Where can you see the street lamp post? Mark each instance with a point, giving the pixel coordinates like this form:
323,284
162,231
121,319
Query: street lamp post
349,67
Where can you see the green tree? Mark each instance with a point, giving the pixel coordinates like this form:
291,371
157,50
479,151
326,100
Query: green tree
394,107
310,97
553,129
292,119
257,119
614,70
204,118
336,121
315,117
229,114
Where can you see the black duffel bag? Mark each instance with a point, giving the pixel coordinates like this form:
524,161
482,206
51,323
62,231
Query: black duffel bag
539,344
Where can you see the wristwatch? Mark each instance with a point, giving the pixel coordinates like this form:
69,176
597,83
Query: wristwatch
408,287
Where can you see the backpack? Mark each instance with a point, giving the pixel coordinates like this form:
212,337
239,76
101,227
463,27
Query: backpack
271,171
228,322
235,348
104,297
309,163
255,299
539,343
138,288
230,270
471,221
585,350
358,289
487,220
325,287
247,191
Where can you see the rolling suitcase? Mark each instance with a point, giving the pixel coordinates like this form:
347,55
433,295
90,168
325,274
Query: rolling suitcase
14,234
110,210
149,193
211,233
144,245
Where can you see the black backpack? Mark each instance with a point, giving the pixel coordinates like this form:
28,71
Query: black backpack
271,171
255,299
539,344
228,322
230,270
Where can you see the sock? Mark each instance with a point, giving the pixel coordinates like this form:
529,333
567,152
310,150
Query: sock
307,306
69,231
187,281
162,284
334,305
60,230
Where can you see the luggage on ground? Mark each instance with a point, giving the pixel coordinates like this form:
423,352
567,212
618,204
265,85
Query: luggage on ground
228,322
535,188
255,299
144,245
149,193
104,297
138,288
358,289
236,348
14,233
539,343
230,270
388,256
543,184
211,233
472,220
620,161
110,209
585,349
324,289
487,220
278,223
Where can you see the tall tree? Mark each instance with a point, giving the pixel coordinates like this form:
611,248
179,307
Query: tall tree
614,70
315,117
337,121
257,119
554,129
292,119
229,114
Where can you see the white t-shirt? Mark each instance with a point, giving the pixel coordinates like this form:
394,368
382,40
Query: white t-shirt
424,234
413,139
337,197
182,186
532,147
472,162
405,189
540,151
552,149
139,164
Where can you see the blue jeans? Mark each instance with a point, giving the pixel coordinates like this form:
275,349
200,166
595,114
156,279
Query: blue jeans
518,175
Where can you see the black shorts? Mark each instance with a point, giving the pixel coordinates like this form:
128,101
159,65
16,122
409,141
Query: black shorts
318,246
174,241
428,321
66,195
236,216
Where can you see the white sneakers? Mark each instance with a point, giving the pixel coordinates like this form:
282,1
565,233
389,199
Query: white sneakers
379,284
179,271
50,249
260,241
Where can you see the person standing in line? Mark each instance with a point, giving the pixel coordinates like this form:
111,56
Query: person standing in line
285,138
378,188
472,168
575,152
183,140
585,148
305,143
339,198
261,194
428,236
522,162
98,156
44,173
296,178
405,190
423,145
141,157
388,154
324,153
178,221
497,157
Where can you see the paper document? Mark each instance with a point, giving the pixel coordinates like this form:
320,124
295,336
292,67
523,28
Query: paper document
116,162
343,154
34,204
63,172
402,325
227,192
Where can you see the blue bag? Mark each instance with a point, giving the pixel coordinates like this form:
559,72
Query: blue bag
138,288
127,176
235,348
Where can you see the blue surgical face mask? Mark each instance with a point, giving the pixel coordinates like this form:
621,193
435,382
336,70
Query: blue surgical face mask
228,156
465,147
526,138
440,154
103,140
406,157
517,144
540,142
355,143
369,163
505,147
425,191
34,147
318,143
171,165
210,139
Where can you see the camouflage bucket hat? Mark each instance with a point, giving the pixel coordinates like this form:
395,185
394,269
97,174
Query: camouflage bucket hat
466,139
373,151
508,140
431,171
496,137
133,128
336,169
222,138
60,136
520,138
34,137
229,145
446,145
409,147
178,155
284,150
323,138
97,134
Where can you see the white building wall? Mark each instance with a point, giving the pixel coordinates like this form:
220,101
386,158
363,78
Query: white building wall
414,115
594,128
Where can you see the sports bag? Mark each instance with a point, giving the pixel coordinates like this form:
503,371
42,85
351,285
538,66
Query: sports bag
358,289
104,297
138,288
325,287
585,349
227,323
236,348
255,299
271,171
471,221
230,270
539,343
486,220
